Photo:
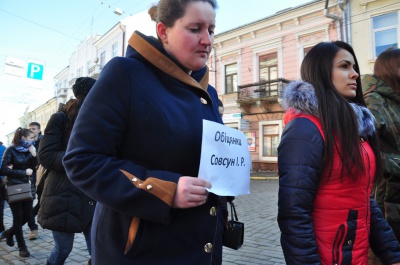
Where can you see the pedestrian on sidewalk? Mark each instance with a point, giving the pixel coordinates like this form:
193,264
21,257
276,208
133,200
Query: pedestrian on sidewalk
328,159
35,128
2,191
64,208
382,96
19,161
136,145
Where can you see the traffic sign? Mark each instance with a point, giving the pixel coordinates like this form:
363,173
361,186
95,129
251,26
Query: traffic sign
14,66
35,71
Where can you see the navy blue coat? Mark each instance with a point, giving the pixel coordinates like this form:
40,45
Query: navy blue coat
138,131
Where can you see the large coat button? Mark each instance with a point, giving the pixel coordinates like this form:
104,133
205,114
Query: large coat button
208,247
213,211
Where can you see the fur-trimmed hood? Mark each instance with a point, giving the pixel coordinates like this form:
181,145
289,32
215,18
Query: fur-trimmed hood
300,97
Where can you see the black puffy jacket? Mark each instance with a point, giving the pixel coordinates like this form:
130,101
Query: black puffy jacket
63,206
20,161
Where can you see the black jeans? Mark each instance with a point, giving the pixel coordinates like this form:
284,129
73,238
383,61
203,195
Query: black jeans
2,200
21,211
31,222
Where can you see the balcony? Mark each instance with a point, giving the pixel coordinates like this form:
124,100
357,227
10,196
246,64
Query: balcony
262,94
94,71
72,82
269,91
62,92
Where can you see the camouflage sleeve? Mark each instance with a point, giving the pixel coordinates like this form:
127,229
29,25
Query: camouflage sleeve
390,154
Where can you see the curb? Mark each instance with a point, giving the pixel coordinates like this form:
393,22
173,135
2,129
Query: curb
264,178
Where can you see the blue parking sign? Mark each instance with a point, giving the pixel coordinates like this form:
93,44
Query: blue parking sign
35,71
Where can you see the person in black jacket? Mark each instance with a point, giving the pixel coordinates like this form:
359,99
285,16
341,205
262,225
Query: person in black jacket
18,164
2,191
35,128
64,209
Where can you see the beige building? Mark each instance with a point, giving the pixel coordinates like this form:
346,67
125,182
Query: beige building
88,59
41,114
374,28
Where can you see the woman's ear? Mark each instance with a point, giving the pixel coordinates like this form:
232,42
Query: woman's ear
162,32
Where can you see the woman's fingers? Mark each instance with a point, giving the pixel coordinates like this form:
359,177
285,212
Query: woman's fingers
191,192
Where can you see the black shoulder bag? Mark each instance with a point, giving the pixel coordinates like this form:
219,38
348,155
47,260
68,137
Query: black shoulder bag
233,237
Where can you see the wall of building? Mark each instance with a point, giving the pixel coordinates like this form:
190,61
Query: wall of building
287,34
362,35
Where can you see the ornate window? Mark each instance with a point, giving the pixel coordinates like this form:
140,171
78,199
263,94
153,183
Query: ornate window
231,78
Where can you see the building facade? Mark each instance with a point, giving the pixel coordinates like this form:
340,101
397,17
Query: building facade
88,59
374,28
251,65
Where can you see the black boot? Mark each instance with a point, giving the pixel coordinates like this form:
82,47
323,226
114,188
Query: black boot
9,238
24,252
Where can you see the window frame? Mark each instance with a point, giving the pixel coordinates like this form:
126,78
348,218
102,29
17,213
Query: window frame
374,31
274,45
267,87
278,123
114,50
102,59
232,76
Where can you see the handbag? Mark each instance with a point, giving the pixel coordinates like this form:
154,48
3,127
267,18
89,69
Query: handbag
233,237
41,175
19,192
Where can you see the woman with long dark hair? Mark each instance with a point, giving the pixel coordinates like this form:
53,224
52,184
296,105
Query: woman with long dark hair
328,161
19,161
64,208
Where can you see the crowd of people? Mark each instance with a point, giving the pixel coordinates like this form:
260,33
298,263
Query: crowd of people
120,160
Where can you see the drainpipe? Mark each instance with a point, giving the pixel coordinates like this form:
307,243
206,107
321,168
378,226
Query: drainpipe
344,6
123,38
348,22
334,18
215,69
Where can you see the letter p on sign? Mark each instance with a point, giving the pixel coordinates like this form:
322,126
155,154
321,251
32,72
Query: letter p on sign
35,71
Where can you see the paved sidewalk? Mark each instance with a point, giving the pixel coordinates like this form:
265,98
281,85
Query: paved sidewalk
257,210
39,248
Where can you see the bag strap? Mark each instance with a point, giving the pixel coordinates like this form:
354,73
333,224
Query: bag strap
233,212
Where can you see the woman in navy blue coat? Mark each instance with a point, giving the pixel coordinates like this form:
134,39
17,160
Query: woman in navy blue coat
135,147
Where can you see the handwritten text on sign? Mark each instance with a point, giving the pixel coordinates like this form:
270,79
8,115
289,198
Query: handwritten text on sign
225,159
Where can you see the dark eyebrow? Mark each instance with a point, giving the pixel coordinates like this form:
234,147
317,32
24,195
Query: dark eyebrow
346,61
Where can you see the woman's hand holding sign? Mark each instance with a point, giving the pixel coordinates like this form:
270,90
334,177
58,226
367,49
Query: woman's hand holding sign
191,192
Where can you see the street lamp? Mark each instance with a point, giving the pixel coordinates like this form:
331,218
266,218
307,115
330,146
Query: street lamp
118,11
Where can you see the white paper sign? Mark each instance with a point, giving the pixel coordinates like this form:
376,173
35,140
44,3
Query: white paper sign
225,160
